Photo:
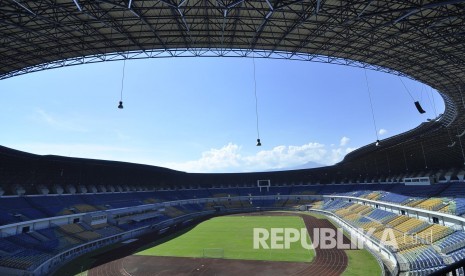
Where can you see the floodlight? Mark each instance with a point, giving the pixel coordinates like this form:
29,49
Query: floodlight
419,108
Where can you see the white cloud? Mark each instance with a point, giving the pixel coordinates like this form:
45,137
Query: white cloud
344,141
348,150
382,131
212,160
229,158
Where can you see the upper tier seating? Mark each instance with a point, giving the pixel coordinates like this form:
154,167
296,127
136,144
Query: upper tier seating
458,255
452,242
449,198
381,215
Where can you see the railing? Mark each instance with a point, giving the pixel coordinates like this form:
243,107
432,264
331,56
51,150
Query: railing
457,219
454,269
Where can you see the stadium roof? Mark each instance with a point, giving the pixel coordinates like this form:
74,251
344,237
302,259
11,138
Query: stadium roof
424,40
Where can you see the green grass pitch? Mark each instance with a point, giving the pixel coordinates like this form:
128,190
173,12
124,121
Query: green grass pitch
234,234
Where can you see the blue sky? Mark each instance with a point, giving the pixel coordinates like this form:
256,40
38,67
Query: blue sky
198,114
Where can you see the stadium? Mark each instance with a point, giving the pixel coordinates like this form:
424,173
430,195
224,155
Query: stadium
81,216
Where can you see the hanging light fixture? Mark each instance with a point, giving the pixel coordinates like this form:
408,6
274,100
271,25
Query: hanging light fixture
461,134
416,103
419,108
424,155
461,146
120,105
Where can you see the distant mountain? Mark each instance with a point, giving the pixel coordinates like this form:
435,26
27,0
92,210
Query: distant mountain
308,165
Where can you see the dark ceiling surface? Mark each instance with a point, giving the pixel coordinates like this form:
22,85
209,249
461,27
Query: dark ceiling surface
424,40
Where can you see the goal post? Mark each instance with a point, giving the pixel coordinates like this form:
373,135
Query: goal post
214,253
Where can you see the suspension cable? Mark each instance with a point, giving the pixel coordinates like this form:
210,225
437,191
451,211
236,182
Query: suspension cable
371,105
406,89
256,97
122,80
